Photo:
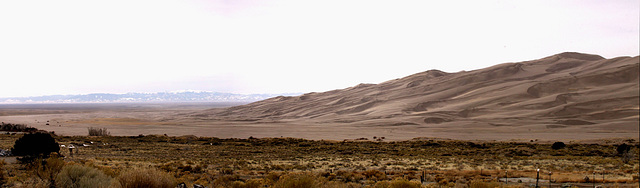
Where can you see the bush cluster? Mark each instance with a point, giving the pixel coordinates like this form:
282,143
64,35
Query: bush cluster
16,127
304,180
98,131
34,145
51,171
558,145
54,172
146,177
270,162
82,176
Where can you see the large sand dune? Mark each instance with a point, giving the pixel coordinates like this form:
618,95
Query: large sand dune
564,96
560,93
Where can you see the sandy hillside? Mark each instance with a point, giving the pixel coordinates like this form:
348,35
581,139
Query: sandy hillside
563,92
568,96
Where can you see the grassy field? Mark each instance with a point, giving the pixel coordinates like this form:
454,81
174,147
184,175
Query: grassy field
254,162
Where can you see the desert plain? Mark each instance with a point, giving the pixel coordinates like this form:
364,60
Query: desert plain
177,119
466,129
234,153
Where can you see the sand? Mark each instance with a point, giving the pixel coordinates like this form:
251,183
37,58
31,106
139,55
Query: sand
567,96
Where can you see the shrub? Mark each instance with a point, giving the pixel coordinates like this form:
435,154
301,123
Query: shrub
374,175
623,148
397,183
82,176
46,169
225,181
3,173
98,131
31,146
226,171
627,157
252,183
34,182
481,184
558,145
304,180
402,183
16,127
146,177
255,183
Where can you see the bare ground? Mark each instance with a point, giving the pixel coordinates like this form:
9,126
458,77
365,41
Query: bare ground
158,119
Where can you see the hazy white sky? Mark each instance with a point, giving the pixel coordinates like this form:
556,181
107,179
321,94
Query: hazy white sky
276,46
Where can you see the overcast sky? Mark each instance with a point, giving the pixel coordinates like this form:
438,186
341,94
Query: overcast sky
277,46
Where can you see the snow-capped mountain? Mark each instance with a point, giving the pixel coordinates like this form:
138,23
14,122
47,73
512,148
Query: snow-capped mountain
173,96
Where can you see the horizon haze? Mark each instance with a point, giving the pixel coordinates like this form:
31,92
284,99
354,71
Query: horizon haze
285,46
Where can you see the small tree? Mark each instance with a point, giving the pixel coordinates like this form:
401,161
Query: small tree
624,151
46,169
31,146
623,148
98,132
558,145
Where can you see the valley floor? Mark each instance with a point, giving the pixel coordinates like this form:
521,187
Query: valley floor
181,119
222,162
221,153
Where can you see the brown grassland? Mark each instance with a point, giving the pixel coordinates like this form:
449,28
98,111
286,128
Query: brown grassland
291,162
493,124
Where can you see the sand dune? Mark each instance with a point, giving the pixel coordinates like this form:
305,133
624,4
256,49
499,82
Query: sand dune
560,91
568,96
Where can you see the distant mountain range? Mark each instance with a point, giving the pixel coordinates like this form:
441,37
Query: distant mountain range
179,96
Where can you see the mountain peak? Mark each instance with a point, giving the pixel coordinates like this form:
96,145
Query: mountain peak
435,73
580,56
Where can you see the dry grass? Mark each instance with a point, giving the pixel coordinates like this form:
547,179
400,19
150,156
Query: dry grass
146,177
303,180
287,161
82,176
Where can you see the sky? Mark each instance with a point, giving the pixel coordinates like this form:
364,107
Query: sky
287,46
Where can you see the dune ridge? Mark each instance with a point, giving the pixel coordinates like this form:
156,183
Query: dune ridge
564,90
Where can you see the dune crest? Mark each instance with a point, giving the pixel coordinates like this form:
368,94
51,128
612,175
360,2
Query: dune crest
562,91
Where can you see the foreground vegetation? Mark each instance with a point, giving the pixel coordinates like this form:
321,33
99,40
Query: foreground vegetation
163,161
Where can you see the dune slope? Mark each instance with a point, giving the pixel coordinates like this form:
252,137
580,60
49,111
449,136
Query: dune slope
564,91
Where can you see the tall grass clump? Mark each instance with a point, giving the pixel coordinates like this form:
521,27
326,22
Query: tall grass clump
146,177
82,176
481,184
397,183
43,172
304,180
98,131
3,172
34,182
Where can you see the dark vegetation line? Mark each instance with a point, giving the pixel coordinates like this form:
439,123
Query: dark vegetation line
10,127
